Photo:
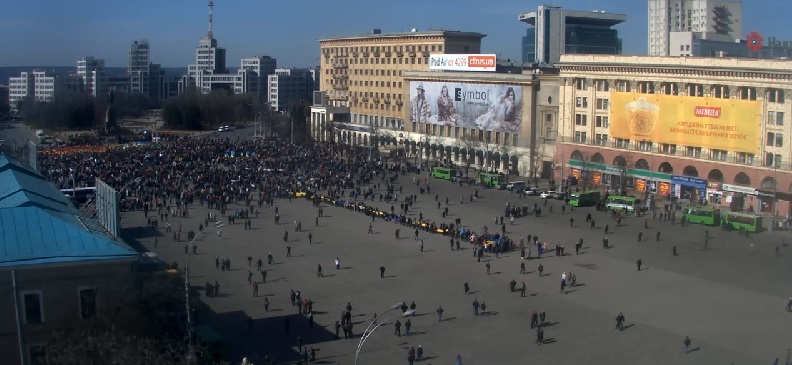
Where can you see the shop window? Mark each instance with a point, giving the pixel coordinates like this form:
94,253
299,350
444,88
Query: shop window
580,137
718,155
775,96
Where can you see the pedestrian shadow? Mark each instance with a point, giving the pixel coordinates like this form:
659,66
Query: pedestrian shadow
695,349
629,325
389,276
496,273
427,358
473,292
269,295
346,267
416,333
533,294
275,310
550,324
571,291
448,319
579,284
428,251
329,275
419,314
548,341
489,313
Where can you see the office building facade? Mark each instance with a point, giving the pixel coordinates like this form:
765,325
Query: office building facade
710,130
287,86
721,17
555,31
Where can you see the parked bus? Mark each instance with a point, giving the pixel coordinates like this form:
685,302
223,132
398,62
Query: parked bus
584,199
443,173
703,215
748,222
491,180
621,202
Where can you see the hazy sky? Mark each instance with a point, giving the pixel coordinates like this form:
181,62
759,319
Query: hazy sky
59,32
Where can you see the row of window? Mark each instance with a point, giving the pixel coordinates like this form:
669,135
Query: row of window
602,104
478,134
345,51
33,304
376,83
386,60
692,89
600,121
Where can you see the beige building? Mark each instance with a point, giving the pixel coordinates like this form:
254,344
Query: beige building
364,73
706,129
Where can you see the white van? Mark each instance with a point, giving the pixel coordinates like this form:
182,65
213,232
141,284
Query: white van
516,186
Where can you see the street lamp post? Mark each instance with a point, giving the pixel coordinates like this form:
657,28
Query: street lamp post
369,331
187,305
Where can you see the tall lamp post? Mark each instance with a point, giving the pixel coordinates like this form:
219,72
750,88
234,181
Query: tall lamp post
369,331
187,306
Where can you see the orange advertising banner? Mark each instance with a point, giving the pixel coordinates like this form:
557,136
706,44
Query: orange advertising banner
576,173
597,178
640,185
725,124
664,188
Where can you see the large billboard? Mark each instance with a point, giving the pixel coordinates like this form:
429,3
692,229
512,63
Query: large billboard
489,107
724,124
463,62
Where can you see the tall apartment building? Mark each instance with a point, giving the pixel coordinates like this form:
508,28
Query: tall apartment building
721,17
555,31
364,73
254,82
144,77
289,85
91,70
40,85
19,88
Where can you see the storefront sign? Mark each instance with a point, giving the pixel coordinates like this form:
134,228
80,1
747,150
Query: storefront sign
576,173
689,181
640,185
707,122
597,178
616,170
664,188
739,189
713,185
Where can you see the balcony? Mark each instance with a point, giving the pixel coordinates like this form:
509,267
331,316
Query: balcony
365,99
376,53
399,54
398,102
340,77
412,53
340,65
387,54
387,101
365,54
340,87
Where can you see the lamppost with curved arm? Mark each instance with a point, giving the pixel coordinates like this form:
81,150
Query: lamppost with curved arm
368,333
217,225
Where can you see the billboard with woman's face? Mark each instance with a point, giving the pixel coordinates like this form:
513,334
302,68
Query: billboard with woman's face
489,107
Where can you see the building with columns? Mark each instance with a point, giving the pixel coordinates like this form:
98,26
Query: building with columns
714,130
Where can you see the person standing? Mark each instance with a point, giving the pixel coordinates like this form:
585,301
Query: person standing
382,272
439,314
620,321
319,270
638,263
541,269
522,289
657,236
687,342
255,289
338,263
397,328
475,307
407,325
421,245
467,288
488,267
522,268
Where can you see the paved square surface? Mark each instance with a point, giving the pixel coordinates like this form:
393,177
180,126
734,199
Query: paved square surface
729,299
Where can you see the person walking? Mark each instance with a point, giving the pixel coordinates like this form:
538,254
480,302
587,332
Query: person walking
488,267
319,271
541,269
407,325
522,268
382,272
539,336
522,289
397,328
338,263
255,289
310,237
439,314
475,307
421,245
620,321
467,288
657,236
640,236
563,286
638,263
687,342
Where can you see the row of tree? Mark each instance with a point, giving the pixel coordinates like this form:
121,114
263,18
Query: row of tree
80,110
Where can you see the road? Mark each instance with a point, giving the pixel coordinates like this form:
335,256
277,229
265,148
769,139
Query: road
729,299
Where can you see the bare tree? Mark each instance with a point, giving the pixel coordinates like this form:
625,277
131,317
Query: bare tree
536,163
471,144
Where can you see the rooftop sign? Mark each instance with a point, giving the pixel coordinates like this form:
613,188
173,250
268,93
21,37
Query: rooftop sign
462,62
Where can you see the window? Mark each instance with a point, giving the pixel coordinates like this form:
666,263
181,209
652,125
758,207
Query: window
506,138
514,139
580,84
601,121
603,104
601,139
581,102
602,85
720,91
456,132
772,160
580,137
775,118
87,302
668,148
581,119
718,155
670,88
622,143
775,96
646,87
33,306
745,158
694,90
645,146
693,151
775,139
746,93
623,85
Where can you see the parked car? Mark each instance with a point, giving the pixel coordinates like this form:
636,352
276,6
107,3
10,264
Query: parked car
560,196
547,194
533,191
225,128
516,186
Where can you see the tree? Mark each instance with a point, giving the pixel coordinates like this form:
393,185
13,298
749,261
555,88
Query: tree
471,143
195,111
298,119
537,159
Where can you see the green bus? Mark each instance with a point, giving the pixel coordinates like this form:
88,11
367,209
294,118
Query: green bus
703,215
491,180
747,222
584,199
443,173
617,202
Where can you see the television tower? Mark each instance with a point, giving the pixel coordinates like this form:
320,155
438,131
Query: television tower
211,12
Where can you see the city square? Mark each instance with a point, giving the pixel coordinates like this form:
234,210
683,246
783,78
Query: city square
728,299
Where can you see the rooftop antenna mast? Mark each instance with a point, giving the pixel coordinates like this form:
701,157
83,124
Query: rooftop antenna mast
211,13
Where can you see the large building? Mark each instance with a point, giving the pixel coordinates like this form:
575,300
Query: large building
364,72
144,77
58,268
39,85
705,129
704,44
91,70
289,85
261,67
721,17
555,31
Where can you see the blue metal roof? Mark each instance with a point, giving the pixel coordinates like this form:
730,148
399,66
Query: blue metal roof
39,225
35,235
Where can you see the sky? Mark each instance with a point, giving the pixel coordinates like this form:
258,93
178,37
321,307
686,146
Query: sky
59,32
